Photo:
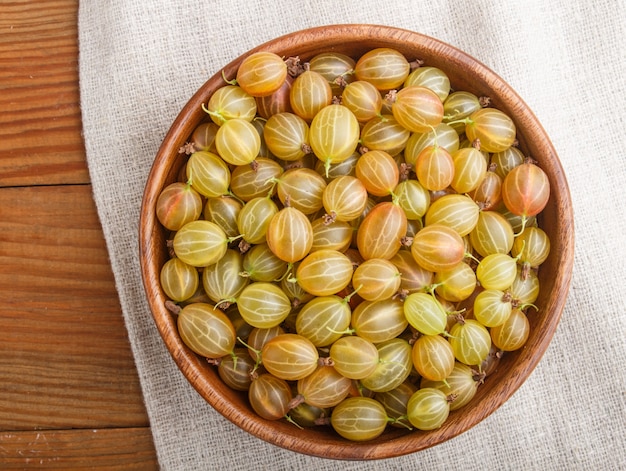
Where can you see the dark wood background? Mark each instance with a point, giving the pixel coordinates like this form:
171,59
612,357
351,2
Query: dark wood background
69,390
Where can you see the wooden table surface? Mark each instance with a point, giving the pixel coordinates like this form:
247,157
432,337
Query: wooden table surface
69,390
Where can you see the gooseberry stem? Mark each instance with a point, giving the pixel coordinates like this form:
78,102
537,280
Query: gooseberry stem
213,114
465,121
291,421
471,257
234,238
258,361
347,299
525,219
229,82
402,421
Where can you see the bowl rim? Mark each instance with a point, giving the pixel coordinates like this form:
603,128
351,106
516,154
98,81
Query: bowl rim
191,366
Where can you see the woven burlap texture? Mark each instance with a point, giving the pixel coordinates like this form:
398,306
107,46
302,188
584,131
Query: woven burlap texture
141,60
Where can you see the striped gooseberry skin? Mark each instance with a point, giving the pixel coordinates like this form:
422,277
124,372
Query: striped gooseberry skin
432,78
507,160
287,136
333,134
395,402
425,313
363,99
222,281
531,247
261,264
488,193
223,211
385,68
433,357
333,66
460,383
470,168
254,219
345,198
255,180
526,190
324,388
492,307
511,334
376,279
470,341
380,233
238,142
235,369
525,287
206,330
289,235
310,92
270,396
229,102
294,292
359,419
416,108
492,234
496,271
379,321
177,205
208,174
354,357
263,304
324,272
437,247
178,279
203,136
378,172
494,129
518,223
455,284
242,328
384,133
443,135
340,169
428,409
413,198
394,366
261,73
302,189
305,415
458,212
413,277
434,168
289,356
258,337
277,102
336,235
200,243
459,105
323,319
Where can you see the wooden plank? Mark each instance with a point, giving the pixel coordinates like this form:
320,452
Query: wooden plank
107,449
65,359
40,123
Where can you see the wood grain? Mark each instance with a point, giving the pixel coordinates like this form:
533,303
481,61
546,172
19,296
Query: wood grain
61,330
69,392
110,449
40,123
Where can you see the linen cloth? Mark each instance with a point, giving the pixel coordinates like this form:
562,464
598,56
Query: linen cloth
141,60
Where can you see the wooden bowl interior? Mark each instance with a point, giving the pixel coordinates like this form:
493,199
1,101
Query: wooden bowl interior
557,220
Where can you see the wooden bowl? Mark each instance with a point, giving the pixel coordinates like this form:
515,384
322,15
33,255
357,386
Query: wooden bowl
557,220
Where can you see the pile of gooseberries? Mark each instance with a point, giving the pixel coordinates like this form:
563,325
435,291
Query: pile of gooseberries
353,244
